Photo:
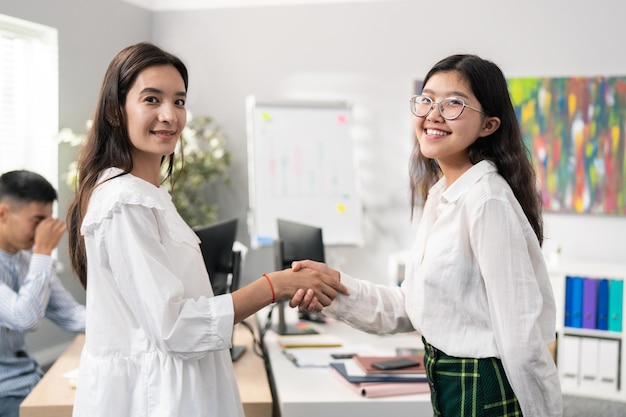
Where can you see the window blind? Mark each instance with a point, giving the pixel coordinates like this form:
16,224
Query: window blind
28,97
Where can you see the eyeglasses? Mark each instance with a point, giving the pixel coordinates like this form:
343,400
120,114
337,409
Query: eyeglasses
450,108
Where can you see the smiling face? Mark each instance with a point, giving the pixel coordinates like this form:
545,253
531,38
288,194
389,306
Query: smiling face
18,222
447,141
156,116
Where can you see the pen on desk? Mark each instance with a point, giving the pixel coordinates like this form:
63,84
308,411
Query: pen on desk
291,357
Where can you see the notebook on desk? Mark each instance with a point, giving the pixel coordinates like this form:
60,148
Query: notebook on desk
383,389
357,378
365,362
308,341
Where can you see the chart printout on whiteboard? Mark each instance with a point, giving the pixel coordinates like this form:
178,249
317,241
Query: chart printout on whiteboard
301,168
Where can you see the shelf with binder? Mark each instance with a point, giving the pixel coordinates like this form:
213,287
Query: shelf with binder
591,348
592,333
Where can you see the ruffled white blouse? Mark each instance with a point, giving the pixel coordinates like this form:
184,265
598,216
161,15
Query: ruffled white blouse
156,338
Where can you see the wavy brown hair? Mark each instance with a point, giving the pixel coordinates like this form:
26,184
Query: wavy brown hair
504,147
108,144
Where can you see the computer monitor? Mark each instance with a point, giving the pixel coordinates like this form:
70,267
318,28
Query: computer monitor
297,241
216,244
222,263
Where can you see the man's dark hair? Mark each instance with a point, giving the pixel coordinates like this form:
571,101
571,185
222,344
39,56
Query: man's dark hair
26,187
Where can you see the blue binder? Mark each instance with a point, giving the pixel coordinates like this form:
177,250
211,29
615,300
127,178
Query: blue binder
568,302
577,302
616,294
603,305
590,302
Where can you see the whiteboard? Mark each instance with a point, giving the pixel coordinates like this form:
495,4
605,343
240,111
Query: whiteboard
301,168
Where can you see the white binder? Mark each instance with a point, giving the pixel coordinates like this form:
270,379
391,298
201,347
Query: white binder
589,362
608,366
569,361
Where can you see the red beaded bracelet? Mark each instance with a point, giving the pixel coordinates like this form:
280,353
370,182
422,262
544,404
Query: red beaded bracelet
271,288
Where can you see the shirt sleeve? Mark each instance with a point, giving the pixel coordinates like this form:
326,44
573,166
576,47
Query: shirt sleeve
504,245
23,310
63,309
370,307
130,242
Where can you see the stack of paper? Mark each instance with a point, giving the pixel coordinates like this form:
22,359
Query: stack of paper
72,376
310,357
323,356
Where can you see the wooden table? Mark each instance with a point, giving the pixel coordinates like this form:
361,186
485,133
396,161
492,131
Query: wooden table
54,397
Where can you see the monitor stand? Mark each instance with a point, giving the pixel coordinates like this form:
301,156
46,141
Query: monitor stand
284,329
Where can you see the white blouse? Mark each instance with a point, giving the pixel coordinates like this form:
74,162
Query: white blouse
156,338
476,286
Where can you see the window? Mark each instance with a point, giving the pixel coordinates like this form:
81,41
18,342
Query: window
28,97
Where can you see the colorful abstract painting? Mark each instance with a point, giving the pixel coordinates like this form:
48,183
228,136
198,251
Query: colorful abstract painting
575,129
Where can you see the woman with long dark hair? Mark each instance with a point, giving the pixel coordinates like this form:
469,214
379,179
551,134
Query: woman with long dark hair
477,288
157,340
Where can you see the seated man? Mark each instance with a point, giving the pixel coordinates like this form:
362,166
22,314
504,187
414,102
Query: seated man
29,286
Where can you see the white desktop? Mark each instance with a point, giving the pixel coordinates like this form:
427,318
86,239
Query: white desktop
317,391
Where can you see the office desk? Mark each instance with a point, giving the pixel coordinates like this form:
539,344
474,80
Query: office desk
53,396
315,392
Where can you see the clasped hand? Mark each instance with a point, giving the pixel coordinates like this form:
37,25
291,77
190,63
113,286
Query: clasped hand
321,295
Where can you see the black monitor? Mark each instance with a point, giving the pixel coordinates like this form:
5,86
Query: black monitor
299,241
296,242
216,244
222,263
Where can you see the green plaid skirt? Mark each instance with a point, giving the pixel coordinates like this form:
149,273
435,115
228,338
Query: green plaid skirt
466,387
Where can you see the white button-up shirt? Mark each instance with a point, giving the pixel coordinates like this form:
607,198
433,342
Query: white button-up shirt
476,286
157,339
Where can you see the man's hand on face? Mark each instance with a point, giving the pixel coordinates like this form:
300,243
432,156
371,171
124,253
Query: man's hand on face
48,234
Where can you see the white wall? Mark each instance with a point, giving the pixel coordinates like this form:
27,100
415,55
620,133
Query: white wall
370,54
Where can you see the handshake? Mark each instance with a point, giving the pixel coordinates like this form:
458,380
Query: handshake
308,285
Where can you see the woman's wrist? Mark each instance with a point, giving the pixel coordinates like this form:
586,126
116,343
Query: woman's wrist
279,280
269,282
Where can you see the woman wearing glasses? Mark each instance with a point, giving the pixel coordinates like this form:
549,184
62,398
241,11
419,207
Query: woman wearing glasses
477,288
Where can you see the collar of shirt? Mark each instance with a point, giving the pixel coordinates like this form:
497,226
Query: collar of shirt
469,177
8,257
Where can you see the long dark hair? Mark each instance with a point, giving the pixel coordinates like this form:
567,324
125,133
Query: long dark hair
504,147
108,144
